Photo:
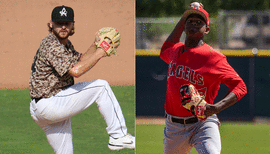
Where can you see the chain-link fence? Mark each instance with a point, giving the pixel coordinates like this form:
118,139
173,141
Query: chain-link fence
244,29
230,30
152,32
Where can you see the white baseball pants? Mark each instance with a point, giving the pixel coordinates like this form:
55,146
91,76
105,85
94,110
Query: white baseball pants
54,114
204,136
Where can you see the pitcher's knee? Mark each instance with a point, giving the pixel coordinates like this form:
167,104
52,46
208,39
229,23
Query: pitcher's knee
102,82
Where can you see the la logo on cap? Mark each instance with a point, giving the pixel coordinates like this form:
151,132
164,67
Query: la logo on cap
63,12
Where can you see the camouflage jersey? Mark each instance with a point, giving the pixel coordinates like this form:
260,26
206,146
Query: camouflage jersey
49,70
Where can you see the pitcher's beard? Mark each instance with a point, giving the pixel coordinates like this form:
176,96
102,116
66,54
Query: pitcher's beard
61,36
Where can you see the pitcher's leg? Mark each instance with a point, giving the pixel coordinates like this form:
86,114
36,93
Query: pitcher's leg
176,139
59,136
207,139
111,111
69,102
73,100
79,97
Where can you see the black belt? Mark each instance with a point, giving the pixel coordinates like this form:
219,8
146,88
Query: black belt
36,99
184,121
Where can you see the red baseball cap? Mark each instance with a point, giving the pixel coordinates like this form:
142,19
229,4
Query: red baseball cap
197,8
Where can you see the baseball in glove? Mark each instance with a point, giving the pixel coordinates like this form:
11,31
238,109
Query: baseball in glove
108,38
193,101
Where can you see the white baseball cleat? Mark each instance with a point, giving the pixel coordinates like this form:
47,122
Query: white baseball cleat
125,142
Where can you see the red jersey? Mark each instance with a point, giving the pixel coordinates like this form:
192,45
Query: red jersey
204,67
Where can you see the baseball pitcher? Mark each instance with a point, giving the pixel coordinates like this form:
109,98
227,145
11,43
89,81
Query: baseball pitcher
54,96
195,73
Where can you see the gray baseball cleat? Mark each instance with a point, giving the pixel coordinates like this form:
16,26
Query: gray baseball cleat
125,142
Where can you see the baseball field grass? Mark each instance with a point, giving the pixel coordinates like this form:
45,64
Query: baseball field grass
19,134
236,138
